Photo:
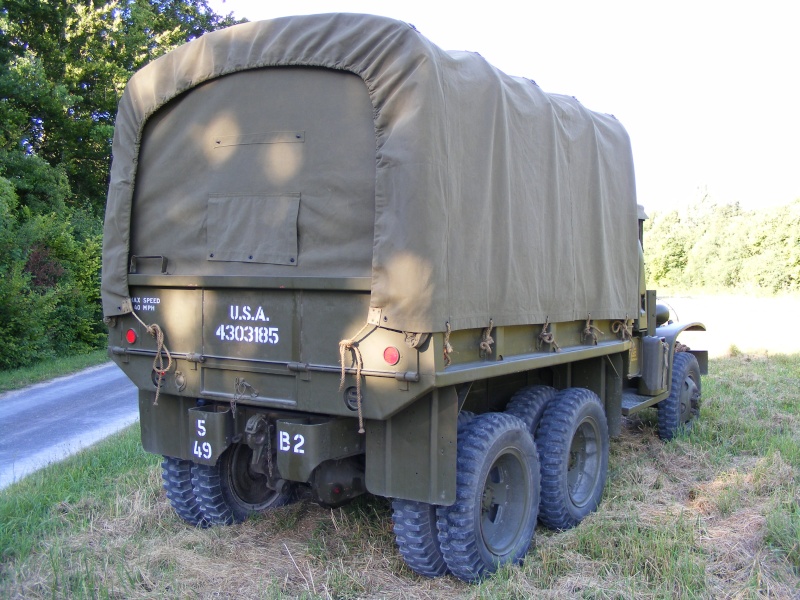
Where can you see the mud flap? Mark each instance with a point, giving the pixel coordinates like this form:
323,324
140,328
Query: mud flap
211,432
413,454
303,444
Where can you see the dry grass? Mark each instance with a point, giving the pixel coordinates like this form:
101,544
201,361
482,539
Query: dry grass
668,509
681,520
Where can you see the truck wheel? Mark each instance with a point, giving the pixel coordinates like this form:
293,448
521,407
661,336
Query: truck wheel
573,443
682,405
417,537
493,518
529,403
177,477
231,491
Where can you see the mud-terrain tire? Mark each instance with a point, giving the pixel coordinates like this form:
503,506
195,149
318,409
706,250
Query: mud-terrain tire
682,406
417,537
529,403
493,518
573,447
231,491
176,475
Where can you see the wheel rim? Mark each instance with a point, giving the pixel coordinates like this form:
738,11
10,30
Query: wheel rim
688,397
248,487
504,506
583,469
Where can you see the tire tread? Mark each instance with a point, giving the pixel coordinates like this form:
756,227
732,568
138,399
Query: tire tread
669,409
554,439
458,531
176,475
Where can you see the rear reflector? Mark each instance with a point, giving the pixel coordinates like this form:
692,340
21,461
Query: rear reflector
391,355
130,335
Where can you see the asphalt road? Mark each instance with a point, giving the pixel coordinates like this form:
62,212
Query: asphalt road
49,421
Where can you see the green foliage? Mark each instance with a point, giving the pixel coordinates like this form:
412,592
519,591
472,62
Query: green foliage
725,248
65,64
49,283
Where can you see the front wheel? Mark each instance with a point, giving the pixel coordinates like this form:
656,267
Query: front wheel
573,441
231,490
682,405
493,518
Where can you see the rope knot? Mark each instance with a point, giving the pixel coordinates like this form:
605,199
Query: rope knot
622,329
351,345
486,339
155,331
590,329
546,337
447,348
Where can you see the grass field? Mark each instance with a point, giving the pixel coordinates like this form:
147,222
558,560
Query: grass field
17,378
715,514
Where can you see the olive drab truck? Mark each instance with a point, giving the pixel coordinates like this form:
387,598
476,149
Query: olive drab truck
338,259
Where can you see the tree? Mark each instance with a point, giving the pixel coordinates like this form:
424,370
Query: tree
725,248
63,67
67,64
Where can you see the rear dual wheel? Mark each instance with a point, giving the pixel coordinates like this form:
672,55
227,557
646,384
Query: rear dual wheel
417,537
573,443
571,435
416,531
176,475
225,493
529,404
231,491
493,518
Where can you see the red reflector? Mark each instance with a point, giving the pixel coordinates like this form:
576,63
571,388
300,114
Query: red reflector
391,355
130,336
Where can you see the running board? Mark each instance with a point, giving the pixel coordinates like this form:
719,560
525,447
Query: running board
633,402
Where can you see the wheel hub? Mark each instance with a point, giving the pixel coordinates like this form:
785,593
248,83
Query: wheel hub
583,467
503,505
688,399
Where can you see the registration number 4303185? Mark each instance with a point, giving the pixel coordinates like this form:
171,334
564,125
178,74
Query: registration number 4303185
248,334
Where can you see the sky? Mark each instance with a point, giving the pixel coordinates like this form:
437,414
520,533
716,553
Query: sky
709,91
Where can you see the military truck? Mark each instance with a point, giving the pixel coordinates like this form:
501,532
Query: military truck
339,260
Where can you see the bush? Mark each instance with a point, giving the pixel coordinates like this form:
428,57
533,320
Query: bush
49,284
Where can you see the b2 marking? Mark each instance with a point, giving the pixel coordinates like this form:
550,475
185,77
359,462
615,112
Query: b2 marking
285,443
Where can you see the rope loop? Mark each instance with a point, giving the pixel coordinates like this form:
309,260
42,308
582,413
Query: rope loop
486,339
590,329
623,329
158,362
351,344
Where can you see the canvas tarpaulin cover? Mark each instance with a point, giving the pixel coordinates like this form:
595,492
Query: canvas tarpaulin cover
493,199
